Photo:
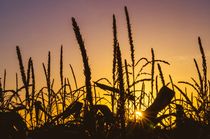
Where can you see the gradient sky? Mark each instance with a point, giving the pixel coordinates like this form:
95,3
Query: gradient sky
171,27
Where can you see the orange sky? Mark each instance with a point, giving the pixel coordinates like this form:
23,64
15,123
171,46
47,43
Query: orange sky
170,27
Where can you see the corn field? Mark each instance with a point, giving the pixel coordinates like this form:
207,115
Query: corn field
140,101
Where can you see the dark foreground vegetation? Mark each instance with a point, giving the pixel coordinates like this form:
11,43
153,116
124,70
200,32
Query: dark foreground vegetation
118,109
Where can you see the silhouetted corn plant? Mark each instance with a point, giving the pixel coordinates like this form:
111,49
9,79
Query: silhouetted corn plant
48,79
33,84
115,41
121,108
61,65
204,66
48,82
24,78
87,71
23,75
128,84
28,81
132,55
89,117
61,79
152,71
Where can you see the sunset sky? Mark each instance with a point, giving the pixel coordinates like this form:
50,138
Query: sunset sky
171,27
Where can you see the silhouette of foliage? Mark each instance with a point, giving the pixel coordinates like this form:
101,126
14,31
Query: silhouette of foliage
136,107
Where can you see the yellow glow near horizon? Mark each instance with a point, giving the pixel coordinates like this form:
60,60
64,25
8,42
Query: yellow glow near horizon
139,115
